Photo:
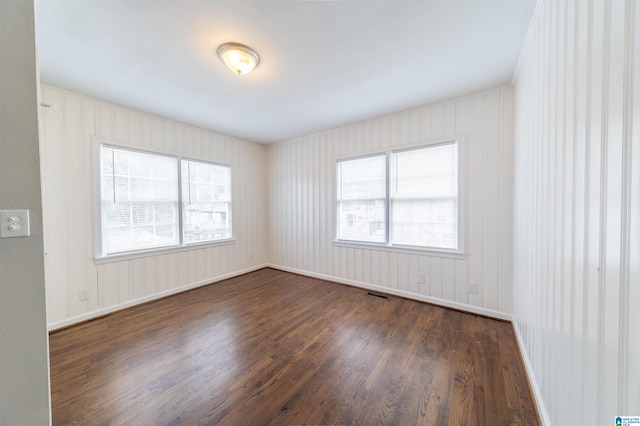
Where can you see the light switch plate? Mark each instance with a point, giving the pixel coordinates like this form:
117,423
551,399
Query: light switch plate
14,223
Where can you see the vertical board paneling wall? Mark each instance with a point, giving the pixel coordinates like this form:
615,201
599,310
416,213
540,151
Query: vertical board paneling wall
302,211
577,209
68,127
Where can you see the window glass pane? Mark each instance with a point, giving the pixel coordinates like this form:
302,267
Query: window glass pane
139,200
428,172
206,201
139,188
363,178
361,221
426,223
424,191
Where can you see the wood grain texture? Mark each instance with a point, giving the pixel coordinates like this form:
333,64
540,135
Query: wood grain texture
272,347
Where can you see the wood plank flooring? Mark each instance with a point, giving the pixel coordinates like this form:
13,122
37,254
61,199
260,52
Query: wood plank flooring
271,347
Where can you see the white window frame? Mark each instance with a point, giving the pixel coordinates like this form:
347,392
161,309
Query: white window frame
99,250
458,253
384,198
230,202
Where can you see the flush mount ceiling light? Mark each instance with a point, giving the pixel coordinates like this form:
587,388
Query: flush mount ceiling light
239,58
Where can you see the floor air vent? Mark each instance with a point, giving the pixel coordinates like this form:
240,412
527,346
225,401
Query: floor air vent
379,296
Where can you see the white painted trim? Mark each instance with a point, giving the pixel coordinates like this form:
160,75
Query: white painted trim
408,295
137,147
138,254
102,312
96,198
424,143
449,254
535,388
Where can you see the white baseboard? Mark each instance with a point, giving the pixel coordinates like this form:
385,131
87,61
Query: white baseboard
101,312
535,388
406,294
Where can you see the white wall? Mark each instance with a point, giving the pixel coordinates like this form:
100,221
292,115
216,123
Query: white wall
68,127
302,194
577,209
24,350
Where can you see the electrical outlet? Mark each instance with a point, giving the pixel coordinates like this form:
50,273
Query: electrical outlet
473,288
14,223
420,278
83,294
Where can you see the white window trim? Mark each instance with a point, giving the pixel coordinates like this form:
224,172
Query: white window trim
385,199
137,254
458,253
230,202
100,256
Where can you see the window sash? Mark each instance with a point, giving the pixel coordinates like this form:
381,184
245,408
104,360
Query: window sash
362,199
137,211
206,201
424,197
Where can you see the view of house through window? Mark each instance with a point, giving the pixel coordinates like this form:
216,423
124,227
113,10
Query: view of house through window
142,207
415,205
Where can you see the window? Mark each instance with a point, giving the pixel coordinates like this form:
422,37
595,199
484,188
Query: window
142,206
139,200
424,197
206,201
417,205
362,199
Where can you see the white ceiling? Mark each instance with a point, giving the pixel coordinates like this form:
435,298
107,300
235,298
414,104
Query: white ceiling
323,63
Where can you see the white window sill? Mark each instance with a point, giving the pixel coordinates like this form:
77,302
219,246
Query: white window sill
451,254
118,257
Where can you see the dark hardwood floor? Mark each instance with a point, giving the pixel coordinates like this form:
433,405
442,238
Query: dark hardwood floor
271,347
